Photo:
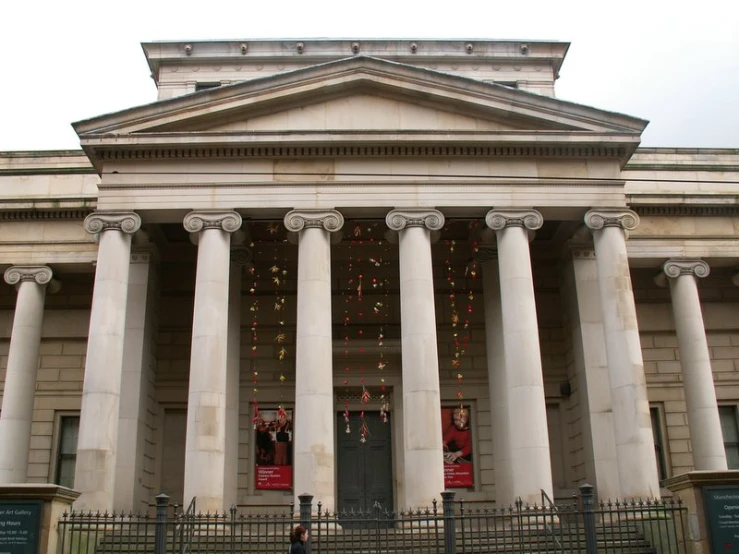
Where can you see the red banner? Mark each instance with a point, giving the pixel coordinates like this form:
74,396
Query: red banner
457,440
273,468
274,477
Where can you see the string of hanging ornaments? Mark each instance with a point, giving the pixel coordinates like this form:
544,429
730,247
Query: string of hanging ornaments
254,311
459,323
364,260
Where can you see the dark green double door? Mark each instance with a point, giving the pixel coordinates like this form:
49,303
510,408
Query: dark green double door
365,470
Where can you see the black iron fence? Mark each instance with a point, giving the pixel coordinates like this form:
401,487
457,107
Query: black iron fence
452,527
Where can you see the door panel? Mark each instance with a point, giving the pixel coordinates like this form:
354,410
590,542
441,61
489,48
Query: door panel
365,475
173,454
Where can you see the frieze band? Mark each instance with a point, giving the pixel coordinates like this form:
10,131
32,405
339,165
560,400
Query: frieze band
125,222
397,220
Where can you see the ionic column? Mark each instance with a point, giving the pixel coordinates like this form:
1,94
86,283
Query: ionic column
205,443
313,442
20,380
101,389
700,394
240,257
637,466
527,416
424,464
497,382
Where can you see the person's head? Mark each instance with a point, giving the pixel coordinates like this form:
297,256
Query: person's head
461,418
300,533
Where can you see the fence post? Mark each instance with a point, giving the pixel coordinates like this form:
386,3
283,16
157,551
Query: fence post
450,537
160,533
587,494
306,509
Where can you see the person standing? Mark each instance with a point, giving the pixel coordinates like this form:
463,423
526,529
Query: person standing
298,538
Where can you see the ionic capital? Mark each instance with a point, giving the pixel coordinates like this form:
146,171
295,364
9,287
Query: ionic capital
486,254
598,219
240,255
676,268
229,222
500,219
125,222
397,220
328,220
40,275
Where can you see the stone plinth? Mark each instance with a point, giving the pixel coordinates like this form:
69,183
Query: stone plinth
689,488
55,500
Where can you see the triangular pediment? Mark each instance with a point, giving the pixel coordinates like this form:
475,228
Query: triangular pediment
356,94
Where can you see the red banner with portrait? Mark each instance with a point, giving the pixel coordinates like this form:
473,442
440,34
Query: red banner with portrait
273,439
457,441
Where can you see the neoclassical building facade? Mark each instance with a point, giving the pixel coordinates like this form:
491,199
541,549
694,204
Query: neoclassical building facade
369,271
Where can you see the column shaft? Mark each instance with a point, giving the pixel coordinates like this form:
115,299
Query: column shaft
205,443
529,435
700,394
314,392
424,462
98,433
20,381
631,420
313,442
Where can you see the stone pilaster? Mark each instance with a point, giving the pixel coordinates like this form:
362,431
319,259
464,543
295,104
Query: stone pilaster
20,381
136,380
700,394
591,372
240,257
527,416
205,445
424,464
487,257
637,466
101,390
313,443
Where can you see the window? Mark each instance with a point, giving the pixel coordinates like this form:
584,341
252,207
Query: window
66,456
206,86
659,445
730,430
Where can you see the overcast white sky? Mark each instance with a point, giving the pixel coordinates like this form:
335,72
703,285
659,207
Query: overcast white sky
675,63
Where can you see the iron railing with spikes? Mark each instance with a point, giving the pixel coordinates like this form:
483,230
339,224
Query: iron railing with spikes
450,527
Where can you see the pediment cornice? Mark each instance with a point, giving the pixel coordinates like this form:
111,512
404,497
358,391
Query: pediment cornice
363,73
366,145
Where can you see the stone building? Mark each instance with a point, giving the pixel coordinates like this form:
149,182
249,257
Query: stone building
293,270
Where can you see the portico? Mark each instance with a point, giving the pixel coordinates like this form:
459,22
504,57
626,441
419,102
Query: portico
357,243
